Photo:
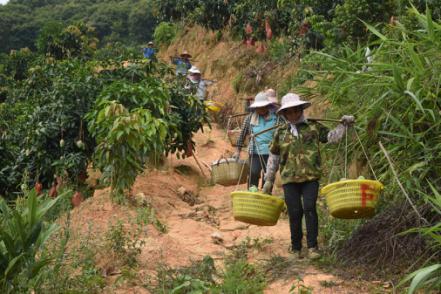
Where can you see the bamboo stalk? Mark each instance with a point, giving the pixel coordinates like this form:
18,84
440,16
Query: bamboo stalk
399,182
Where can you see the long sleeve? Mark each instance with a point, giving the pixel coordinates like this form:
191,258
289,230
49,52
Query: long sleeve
245,130
335,135
272,167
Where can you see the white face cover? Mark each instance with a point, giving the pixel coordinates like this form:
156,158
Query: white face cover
194,78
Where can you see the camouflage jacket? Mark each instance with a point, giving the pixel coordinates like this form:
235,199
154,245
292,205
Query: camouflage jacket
299,156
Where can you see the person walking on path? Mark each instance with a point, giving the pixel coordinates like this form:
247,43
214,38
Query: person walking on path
295,149
263,116
196,84
182,63
149,52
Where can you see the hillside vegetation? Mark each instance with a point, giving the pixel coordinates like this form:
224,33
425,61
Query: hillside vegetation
130,21
76,94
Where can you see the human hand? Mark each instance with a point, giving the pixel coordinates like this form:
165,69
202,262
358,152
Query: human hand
348,120
267,187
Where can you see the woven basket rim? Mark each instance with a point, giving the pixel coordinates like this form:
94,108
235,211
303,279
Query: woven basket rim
264,196
330,187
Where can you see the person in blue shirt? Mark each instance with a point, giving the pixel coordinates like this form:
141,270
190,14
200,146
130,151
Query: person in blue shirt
182,63
149,52
263,116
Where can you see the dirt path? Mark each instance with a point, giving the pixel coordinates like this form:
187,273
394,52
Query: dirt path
191,228
171,190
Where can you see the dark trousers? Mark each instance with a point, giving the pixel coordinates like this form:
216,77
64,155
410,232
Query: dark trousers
256,168
293,199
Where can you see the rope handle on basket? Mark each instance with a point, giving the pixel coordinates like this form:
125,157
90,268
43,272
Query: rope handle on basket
346,155
228,126
230,119
220,158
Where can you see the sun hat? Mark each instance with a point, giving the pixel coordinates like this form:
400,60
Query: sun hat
271,92
293,100
272,96
150,43
194,70
185,53
261,100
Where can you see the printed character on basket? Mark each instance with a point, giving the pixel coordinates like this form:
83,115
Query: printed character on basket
263,116
295,149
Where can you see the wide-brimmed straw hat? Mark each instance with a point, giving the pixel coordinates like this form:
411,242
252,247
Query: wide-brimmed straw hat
194,70
271,92
272,96
185,53
261,100
291,100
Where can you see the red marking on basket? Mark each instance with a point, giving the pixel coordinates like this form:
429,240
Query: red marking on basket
364,195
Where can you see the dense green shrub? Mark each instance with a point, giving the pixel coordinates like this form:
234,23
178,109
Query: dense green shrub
128,126
117,51
44,131
72,41
17,63
164,33
348,15
212,14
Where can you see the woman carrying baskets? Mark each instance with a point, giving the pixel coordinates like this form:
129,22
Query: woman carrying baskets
263,116
295,148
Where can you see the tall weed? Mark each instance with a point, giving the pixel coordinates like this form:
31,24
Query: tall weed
428,277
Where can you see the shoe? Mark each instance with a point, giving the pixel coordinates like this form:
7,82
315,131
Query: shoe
295,254
314,253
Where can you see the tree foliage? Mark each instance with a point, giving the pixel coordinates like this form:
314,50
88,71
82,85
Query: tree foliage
43,122
128,21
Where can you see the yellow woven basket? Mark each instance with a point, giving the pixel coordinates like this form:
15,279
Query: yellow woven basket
352,199
213,106
256,208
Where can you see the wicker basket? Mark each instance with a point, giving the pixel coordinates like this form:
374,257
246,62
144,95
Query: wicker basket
352,199
256,208
213,106
229,171
233,136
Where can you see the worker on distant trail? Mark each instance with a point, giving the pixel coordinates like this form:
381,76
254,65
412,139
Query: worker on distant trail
182,63
149,51
263,116
295,148
196,84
